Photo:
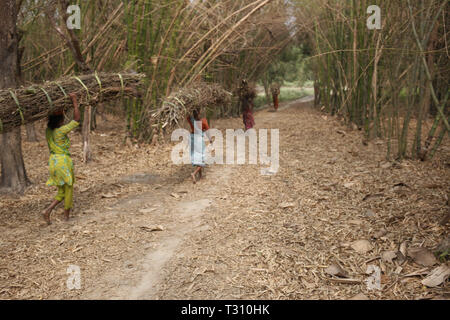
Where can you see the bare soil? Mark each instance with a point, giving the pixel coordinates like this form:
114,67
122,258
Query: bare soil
142,230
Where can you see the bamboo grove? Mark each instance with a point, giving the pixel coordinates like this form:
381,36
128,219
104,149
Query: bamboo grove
173,42
388,82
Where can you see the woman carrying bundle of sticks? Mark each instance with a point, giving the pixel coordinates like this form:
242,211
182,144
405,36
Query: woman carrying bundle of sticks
199,126
60,163
275,89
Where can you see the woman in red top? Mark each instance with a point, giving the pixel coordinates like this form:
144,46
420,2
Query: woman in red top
247,113
197,145
275,100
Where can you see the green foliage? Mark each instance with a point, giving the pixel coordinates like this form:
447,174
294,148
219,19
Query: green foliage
290,66
443,257
287,94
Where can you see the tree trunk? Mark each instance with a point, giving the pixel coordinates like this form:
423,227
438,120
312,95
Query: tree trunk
93,118
74,44
31,132
13,174
316,93
72,40
266,88
86,133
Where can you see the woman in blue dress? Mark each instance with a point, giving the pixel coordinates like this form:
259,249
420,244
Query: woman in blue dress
197,145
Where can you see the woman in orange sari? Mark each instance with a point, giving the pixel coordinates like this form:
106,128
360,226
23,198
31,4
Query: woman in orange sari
275,88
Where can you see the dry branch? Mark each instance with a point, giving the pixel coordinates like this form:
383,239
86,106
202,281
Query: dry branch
29,104
182,102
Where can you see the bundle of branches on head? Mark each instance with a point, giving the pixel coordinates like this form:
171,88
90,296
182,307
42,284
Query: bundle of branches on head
32,103
246,91
179,104
275,88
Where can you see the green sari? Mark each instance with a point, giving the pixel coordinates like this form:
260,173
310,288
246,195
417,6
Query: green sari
60,163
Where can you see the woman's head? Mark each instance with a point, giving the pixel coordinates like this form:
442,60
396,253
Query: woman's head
196,114
55,121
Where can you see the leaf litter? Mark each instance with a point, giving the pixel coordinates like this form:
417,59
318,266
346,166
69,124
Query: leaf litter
270,247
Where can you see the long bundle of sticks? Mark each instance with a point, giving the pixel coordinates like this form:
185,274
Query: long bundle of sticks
246,91
181,103
29,104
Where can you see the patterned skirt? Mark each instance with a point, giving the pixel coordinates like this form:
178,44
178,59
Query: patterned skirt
60,167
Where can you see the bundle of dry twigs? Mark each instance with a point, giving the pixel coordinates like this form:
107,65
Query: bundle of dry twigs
246,91
180,103
275,88
29,104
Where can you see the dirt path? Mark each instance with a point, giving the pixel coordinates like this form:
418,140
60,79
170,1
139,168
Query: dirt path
183,216
142,230
239,234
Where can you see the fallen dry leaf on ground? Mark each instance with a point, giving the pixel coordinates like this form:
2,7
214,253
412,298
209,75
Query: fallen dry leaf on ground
336,270
422,256
152,228
362,246
286,205
388,256
437,276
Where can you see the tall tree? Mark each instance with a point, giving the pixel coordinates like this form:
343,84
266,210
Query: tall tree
13,174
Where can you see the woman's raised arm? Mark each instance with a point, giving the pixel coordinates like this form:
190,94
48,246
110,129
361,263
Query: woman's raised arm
76,111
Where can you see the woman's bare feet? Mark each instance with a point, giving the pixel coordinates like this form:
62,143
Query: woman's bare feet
46,216
66,215
193,178
46,213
